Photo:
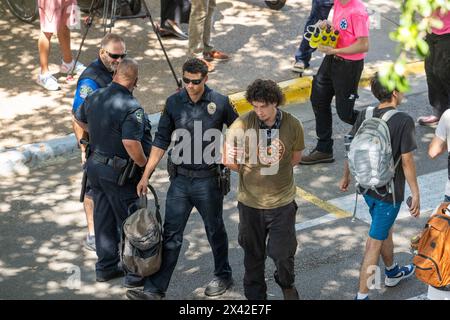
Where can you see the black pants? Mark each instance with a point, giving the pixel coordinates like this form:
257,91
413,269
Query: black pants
340,78
267,232
176,10
437,69
111,203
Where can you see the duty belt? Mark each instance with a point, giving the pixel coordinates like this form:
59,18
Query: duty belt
197,173
115,162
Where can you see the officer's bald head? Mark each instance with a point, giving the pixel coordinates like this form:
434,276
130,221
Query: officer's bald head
127,72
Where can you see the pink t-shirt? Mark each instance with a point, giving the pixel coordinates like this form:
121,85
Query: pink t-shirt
445,18
352,22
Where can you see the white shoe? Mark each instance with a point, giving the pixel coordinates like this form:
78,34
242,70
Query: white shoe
48,81
67,67
298,67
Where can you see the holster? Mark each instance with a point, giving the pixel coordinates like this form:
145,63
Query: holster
224,179
171,167
124,173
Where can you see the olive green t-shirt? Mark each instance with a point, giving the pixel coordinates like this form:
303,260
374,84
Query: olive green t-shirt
266,179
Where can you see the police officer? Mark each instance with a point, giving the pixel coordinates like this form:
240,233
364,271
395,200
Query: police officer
194,182
97,75
118,133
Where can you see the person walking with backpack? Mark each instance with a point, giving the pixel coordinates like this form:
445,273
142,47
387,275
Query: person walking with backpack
339,75
383,201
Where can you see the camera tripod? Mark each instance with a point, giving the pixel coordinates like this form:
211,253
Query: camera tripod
108,10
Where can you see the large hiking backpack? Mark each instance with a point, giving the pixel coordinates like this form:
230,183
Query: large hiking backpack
141,241
370,156
433,255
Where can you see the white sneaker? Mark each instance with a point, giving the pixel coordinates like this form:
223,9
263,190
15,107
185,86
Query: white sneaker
67,67
298,67
48,81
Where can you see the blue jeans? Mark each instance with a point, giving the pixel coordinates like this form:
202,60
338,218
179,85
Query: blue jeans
319,11
184,194
383,217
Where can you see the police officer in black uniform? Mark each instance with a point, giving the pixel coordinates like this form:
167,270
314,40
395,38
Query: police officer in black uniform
118,134
194,182
97,75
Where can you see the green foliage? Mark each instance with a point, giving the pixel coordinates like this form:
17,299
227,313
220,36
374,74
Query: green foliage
416,20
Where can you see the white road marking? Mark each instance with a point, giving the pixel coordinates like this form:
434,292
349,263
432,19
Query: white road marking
315,222
431,186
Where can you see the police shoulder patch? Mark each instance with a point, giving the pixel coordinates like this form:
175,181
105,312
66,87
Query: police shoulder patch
85,90
139,115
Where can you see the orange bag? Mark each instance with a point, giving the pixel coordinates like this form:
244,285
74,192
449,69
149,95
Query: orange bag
433,256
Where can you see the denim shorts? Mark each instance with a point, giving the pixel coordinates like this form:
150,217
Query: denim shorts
383,217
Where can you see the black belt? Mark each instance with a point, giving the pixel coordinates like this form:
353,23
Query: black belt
115,162
337,58
197,173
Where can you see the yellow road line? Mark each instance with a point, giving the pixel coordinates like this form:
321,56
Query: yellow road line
339,213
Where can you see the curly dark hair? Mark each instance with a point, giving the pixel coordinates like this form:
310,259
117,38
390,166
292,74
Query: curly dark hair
266,91
379,91
194,65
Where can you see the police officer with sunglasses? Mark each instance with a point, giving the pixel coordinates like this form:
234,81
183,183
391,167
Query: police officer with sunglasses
189,114
97,75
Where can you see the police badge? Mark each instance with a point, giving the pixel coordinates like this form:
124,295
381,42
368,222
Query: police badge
211,108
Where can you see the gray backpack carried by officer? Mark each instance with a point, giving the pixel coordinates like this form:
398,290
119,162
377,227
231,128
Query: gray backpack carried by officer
370,156
141,245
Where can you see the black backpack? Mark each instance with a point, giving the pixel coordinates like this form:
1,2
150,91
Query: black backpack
141,240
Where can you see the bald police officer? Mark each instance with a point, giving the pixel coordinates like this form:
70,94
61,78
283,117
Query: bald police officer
97,75
118,133
190,113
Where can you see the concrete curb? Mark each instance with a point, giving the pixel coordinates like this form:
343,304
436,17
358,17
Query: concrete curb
19,161
298,90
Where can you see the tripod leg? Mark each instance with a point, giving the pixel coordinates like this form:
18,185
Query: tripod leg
89,22
147,12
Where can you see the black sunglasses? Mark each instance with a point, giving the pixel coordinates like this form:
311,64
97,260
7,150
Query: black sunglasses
194,81
116,56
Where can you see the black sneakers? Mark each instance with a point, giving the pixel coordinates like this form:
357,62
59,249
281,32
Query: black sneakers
218,286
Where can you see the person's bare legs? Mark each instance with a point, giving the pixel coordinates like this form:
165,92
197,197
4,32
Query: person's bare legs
89,210
371,256
44,50
387,250
64,43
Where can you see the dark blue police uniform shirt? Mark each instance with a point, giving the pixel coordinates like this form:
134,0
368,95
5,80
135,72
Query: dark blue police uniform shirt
95,76
113,114
213,110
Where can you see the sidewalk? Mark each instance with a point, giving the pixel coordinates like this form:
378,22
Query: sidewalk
261,42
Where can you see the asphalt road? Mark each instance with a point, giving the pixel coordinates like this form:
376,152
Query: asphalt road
43,226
